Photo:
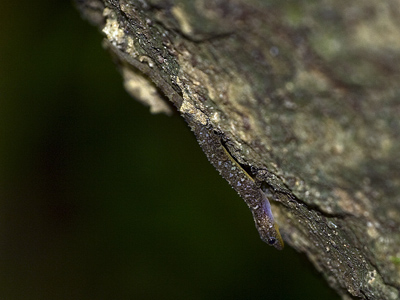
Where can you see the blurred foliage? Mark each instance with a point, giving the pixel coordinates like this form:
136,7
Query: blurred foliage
102,200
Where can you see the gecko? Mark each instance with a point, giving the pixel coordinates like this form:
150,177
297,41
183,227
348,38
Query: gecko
211,143
242,182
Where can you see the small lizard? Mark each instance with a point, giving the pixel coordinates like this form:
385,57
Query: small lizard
226,164
242,182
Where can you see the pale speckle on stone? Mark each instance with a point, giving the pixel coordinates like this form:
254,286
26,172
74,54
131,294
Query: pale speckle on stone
143,90
112,30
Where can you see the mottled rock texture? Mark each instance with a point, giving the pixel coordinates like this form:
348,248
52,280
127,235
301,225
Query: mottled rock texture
303,97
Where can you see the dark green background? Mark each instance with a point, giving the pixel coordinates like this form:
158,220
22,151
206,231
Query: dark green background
102,200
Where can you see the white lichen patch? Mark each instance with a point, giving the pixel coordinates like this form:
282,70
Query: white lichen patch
372,276
112,30
187,104
131,47
189,108
198,78
143,90
116,35
146,59
215,118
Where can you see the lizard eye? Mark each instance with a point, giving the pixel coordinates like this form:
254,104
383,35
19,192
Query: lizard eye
271,241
